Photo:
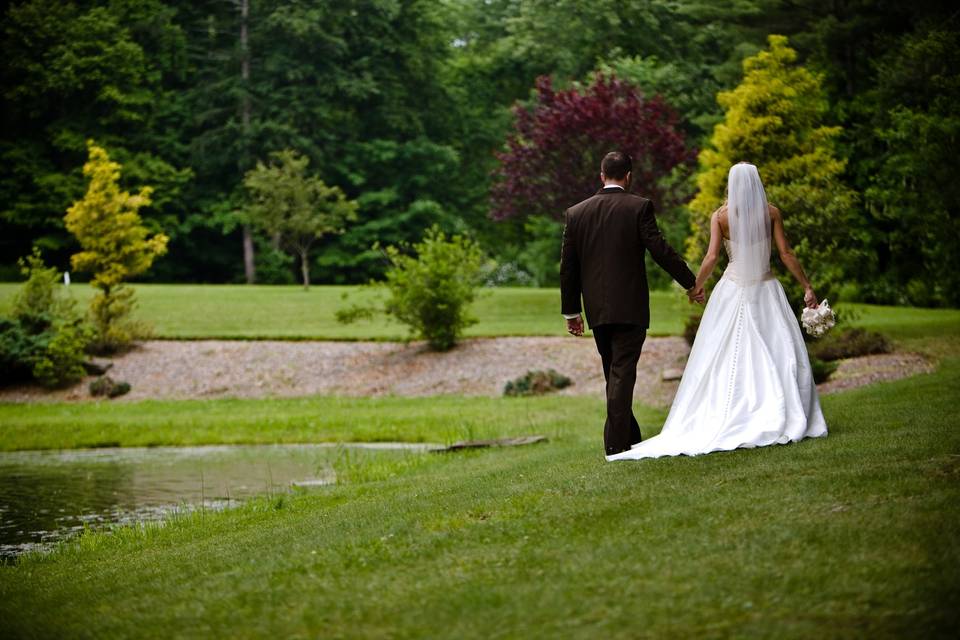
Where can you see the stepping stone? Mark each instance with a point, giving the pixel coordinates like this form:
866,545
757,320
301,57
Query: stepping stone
497,442
671,374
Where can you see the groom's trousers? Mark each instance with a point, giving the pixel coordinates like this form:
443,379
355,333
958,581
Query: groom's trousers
619,346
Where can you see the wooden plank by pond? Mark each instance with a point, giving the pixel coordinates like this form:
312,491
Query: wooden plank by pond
496,442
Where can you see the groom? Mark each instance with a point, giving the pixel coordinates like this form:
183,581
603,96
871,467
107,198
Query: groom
602,258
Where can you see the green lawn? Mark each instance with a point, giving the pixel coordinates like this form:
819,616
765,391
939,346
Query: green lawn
854,535
289,312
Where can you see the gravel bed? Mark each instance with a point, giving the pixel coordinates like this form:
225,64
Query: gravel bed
476,367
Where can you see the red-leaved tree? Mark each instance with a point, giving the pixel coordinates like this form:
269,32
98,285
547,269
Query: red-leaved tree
553,155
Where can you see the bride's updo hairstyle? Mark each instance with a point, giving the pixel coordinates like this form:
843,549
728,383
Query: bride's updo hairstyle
749,219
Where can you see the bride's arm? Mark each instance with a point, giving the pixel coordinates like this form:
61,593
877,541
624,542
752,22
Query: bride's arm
789,259
713,252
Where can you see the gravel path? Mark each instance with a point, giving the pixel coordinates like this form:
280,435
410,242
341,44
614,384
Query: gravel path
477,367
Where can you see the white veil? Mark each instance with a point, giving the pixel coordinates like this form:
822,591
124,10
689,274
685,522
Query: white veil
749,221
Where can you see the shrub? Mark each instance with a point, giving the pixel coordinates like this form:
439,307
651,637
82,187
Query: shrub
430,293
115,330
850,343
107,386
535,383
822,370
61,362
46,338
18,351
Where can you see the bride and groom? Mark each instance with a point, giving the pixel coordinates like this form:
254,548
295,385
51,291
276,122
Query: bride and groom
747,381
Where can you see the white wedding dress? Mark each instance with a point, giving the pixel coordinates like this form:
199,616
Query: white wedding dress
747,382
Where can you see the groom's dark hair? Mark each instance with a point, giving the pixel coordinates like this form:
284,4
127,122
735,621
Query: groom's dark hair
616,165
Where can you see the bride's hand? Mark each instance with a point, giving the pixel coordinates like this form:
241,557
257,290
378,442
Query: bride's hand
810,298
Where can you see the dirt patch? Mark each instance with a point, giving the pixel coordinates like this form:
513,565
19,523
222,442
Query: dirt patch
477,367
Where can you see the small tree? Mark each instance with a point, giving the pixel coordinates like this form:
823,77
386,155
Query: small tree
430,293
295,208
775,119
116,246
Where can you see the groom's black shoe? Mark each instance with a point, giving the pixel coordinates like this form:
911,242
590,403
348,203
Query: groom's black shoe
612,452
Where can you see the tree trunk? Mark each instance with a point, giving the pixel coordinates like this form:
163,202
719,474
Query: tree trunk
305,270
249,266
249,263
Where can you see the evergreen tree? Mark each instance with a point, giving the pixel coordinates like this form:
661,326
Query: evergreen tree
775,119
114,247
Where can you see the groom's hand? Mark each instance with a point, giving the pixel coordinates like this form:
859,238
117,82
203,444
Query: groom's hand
575,326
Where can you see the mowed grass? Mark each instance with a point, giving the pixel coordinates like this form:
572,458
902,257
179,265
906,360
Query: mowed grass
289,312
854,535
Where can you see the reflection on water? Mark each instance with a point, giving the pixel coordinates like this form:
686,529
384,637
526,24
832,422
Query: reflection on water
46,496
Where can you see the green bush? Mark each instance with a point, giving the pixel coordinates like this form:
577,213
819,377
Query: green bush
61,363
114,329
18,351
45,340
851,343
107,386
535,383
430,293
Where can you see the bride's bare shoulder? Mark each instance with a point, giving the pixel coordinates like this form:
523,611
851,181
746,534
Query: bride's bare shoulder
774,211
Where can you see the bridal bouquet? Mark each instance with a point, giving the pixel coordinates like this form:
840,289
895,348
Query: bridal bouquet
819,320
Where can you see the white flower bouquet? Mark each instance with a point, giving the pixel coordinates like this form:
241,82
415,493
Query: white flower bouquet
819,320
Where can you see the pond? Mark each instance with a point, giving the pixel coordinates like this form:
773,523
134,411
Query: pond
48,496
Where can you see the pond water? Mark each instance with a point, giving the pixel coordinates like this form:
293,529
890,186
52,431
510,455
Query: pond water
47,496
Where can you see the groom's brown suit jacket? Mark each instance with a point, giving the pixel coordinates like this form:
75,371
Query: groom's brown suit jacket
604,243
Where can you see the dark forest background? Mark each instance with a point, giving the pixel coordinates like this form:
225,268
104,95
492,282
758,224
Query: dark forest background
405,104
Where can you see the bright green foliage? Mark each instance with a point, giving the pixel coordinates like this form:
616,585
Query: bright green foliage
41,301
775,119
46,338
432,291
61,363
116,246
294,207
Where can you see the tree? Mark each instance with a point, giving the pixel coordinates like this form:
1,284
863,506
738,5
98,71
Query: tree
295,208
907,159
115,246
73,71
775,119
552,160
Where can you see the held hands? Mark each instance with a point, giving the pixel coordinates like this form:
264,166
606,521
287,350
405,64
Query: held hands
810,298
575,326
696,294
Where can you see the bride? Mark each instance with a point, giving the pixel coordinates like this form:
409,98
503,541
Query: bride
748,381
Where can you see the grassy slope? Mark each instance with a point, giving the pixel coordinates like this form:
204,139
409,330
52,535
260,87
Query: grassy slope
223,311
850,536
